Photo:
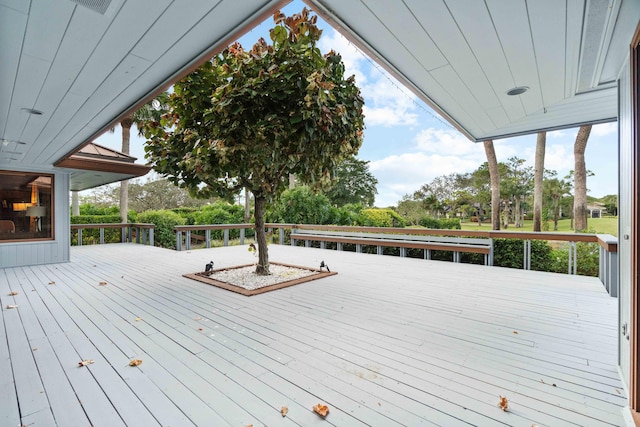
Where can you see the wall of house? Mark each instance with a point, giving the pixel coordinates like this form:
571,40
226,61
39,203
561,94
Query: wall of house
14,254
625,193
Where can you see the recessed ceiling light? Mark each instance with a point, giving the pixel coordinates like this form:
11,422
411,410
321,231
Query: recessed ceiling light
32,111
518,90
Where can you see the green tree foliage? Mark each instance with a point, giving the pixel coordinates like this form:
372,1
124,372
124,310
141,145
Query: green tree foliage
442,223
353,184
164,221
251,118
160,194
411,210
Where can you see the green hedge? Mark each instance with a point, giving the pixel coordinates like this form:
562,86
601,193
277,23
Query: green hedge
510,253
164,221
91,236
374,217
445,223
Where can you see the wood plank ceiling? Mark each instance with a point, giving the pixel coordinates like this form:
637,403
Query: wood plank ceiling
83,67
463,56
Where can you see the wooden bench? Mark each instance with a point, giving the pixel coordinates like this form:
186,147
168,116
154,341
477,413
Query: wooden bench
457,245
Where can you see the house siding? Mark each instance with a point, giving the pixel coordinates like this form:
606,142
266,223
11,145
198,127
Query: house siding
13,254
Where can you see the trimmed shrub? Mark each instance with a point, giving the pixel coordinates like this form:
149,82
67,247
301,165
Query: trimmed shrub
588,259
510,253
91,236
445,223
300,205
374,217
164,220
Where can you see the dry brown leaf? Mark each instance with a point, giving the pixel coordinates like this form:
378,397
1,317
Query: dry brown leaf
135,362
200,329
10,306
85,362
554,385
13,293
249,425
515,332
284,410
198,318
102,283
503,404
138,319
34,349
52,282
321,410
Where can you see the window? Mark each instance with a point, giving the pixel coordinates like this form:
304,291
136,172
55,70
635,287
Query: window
26,206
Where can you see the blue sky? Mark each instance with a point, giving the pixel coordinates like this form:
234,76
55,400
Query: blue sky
408,144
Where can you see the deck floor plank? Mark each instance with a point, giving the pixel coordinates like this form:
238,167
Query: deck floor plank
388,341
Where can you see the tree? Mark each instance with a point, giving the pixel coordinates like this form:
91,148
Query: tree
248,119
494,174
148,112
517,182
353,184
555,189
541,143
580,212
160,194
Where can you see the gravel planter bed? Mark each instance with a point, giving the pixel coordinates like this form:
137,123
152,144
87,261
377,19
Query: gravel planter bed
243,280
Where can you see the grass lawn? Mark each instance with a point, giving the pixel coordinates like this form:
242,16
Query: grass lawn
606,225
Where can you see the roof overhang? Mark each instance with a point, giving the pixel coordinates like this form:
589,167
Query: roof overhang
70,70
95,165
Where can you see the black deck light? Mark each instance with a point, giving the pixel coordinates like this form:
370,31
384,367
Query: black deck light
208,267
323,265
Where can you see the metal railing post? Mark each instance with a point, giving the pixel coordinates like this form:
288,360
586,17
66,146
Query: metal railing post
241,236
207,238
102,235
281,233
151,236
226,237
79,236
187,240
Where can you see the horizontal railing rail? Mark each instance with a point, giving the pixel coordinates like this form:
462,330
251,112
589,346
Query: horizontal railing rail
608,244
141,233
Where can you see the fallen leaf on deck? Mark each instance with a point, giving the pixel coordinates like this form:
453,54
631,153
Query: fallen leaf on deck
102,283
12,306
138,319
13,294
135,362
515,332
321,410
249,425
198,318
503,404
200,329
85,362
284,411
34,349
52,282
553,385
618,391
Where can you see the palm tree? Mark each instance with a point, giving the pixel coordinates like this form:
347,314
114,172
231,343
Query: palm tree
495,184
556,189
580,179
537,181
148,112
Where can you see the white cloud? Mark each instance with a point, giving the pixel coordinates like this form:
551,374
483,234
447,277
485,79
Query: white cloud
387,103
605,129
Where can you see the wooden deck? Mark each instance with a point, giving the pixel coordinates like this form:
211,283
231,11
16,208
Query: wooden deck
386,342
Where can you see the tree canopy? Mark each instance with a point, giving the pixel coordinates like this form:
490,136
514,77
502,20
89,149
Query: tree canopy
354,183
249,118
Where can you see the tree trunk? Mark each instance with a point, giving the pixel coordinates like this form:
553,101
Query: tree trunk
537,181
517,224
492,161
580,179
247,207
261,237
124,185
75,204
556,212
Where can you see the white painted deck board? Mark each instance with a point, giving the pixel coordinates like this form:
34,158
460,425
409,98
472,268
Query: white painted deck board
387,341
